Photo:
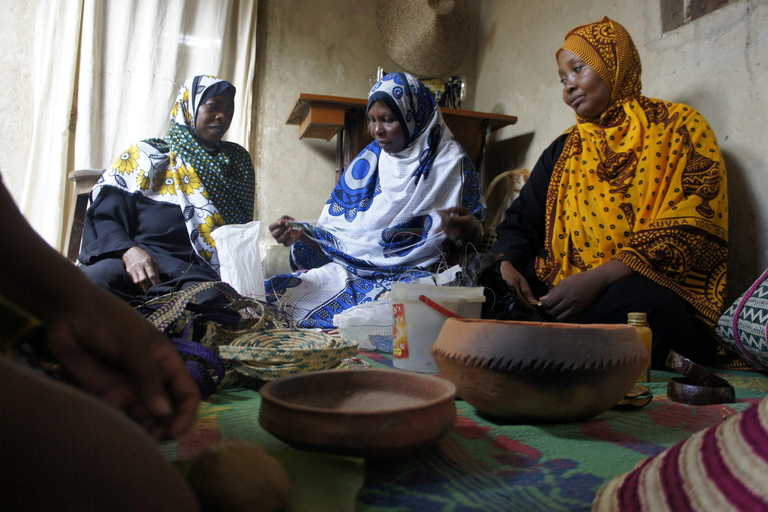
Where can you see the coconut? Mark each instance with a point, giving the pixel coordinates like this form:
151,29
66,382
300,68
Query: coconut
238,476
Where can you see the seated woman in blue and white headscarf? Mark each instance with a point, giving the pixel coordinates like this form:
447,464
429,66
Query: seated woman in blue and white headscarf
406,200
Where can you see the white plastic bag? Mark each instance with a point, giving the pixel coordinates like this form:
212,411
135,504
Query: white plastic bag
369,324
441,279
240,258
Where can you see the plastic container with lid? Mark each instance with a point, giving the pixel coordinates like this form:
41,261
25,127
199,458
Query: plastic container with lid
416,325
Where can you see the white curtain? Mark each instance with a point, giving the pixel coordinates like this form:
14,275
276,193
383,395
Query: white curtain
57,38
134,56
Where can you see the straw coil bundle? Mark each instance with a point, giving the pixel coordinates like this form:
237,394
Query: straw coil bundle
272,353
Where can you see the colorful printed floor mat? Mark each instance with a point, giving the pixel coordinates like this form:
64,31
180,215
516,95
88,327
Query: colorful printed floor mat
481,465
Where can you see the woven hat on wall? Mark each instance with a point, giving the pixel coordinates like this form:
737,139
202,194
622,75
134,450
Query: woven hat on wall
425,37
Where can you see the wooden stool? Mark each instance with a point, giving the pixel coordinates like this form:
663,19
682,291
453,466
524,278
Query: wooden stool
84,180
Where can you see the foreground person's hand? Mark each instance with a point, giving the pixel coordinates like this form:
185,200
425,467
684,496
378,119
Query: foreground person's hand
115,354
141,267
104,345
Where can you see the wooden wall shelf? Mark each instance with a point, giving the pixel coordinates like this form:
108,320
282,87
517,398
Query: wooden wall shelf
325,117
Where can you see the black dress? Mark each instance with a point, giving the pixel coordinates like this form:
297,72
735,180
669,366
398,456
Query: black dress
117,221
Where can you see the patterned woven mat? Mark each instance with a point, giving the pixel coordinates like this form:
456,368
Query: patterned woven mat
481,465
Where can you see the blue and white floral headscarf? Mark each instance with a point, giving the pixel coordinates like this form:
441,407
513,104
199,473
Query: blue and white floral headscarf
213,186
383,212
380,224
408,99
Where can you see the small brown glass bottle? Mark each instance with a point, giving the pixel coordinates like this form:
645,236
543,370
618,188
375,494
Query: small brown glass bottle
640,323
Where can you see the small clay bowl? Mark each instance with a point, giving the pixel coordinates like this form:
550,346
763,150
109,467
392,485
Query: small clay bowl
530,372
375,414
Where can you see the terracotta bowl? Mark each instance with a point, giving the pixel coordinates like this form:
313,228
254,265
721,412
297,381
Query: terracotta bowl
528,372
362,413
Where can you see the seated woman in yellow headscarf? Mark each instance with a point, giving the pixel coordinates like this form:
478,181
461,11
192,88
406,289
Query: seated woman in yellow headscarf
627,211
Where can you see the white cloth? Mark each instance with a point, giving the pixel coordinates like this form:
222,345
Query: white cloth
381,224
44,197
383,212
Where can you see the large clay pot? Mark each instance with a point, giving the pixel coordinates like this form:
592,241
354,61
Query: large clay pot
530,372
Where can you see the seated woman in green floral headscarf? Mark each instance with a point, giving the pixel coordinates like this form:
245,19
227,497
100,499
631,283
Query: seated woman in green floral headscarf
148,231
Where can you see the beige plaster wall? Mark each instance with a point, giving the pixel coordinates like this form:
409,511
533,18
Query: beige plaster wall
329,47
716,64
17,39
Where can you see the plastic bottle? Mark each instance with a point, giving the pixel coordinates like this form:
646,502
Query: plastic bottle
640,322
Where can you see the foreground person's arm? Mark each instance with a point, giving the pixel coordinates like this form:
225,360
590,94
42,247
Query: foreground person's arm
63,449
99,341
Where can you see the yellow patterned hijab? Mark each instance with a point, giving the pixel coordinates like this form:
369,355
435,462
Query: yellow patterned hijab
643,183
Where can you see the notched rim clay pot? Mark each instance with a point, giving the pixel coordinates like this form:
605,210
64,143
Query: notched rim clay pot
531,372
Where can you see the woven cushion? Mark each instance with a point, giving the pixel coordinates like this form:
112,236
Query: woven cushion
720,468
744,324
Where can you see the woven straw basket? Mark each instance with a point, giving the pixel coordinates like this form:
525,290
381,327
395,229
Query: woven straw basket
425,37
274,353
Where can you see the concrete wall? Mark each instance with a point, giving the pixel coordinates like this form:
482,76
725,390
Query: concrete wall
718,64
17,38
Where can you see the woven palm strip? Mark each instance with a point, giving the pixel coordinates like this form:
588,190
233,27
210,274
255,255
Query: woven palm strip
273,353
175,303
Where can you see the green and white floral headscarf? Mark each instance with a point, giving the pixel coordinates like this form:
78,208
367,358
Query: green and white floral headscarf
211,188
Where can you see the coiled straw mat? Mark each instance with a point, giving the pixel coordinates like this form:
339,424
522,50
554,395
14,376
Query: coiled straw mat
245,337
425,37
273,353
